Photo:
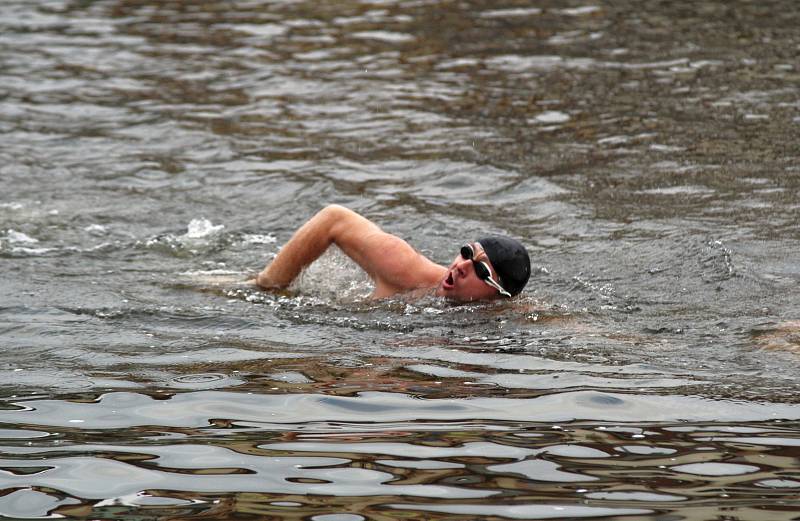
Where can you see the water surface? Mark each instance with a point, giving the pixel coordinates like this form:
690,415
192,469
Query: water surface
154,155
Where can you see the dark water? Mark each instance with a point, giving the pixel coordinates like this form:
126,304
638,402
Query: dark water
153,154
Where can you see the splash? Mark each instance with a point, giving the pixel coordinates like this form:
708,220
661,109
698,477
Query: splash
201,237
259,239
15,237
334,277
200,228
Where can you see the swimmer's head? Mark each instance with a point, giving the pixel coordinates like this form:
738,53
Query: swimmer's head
510,261
492,267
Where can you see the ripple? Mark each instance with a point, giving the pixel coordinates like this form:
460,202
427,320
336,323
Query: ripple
263,30
146,500
518,64
580,10
476,449
680,190
102,477
290,377
26,503
715,469
635,496
384,36
194,409
420,464
524,511
763,440
551,116
338,517
21,434
607,400
204,381
645,450
504,13
778,483
542,470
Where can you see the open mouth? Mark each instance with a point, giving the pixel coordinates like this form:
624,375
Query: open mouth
448,282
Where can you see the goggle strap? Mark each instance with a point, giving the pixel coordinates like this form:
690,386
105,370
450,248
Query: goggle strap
488,280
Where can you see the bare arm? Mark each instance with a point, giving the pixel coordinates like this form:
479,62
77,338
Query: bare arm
388,260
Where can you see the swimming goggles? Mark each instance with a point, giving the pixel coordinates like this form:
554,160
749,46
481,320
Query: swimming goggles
482,269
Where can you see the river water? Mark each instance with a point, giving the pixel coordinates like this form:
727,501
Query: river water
154,154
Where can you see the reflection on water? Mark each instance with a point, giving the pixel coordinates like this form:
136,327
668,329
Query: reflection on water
217,453
155,155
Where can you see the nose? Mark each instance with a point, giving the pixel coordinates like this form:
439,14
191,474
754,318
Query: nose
464,266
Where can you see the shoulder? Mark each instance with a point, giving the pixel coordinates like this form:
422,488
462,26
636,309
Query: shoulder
402,268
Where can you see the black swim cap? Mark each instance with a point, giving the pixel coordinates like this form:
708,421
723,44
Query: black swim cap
510,260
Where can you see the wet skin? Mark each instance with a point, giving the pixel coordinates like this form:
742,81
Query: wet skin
393,265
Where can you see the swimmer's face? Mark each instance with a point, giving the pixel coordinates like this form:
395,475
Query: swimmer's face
462,283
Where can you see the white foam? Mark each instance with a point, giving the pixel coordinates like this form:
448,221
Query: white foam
384,36
551,116
15,237
504,13
579,11
32,251
211,272
259,239
96,229
202,227
613,140
216,277
265,30
666,148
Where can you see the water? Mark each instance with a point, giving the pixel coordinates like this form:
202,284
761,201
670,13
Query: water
155,154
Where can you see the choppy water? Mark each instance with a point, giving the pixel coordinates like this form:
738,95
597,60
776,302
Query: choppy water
152,154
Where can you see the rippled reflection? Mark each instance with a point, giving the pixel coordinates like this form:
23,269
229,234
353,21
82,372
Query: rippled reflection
577,468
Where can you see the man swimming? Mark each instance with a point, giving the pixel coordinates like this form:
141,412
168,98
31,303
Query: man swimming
488,268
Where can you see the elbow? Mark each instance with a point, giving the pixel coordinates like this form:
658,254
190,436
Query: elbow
334,212
336,219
